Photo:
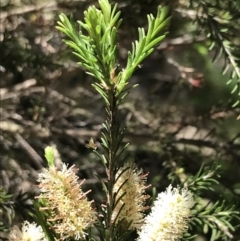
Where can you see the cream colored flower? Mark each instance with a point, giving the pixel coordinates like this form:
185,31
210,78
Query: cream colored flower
29,232
169,216
130,187
71,211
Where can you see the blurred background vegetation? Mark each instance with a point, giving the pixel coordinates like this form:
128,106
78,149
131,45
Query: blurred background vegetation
178,118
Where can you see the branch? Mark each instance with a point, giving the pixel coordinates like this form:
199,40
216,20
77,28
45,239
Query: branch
27,9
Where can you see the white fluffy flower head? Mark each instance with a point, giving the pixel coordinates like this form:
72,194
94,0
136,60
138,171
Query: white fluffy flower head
169,216
29,232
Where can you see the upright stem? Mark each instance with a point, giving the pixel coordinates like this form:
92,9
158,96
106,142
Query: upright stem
112,110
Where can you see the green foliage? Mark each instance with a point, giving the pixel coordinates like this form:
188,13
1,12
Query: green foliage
221,22
215,218
97,48
209,217
205,179
6,209
41,216
49,154
93,41
144,46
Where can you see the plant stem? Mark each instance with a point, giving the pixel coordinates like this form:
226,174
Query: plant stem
112,111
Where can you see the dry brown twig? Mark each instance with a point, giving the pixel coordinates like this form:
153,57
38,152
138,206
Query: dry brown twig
30,8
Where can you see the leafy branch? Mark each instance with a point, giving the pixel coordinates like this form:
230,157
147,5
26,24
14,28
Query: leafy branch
204,179
97,48
145,45
219,19
95,45
217,217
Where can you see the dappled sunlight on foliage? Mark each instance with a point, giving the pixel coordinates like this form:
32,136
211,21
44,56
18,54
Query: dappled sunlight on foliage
182,120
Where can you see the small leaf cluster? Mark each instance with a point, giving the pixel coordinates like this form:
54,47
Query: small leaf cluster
95,44
216,218
204,179
6,209
145,45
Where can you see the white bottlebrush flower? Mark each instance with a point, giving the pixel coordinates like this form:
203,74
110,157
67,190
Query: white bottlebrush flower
66,200
29,232
169,216
130,187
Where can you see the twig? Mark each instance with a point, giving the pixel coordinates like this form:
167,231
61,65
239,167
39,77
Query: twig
211,144
180,67
25,89
186,39
30,151
27,9
25,85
